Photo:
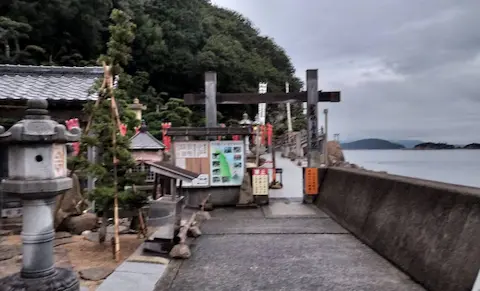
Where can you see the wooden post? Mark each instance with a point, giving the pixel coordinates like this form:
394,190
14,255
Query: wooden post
173,189
312,117
211,98
289,114
325,138
155,187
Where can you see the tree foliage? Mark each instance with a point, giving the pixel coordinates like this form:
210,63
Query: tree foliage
103,127
175,43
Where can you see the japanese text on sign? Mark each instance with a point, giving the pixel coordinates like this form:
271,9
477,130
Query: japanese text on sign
311,181
260,181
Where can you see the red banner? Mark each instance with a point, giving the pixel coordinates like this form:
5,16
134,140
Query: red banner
166,139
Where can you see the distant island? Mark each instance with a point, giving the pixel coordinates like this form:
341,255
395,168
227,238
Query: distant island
444,146
382,144
371,144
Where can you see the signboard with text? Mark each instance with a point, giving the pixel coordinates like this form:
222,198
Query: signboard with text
260,181
193,156
311,181
227,163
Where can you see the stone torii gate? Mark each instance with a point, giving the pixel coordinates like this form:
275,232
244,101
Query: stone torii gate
312,96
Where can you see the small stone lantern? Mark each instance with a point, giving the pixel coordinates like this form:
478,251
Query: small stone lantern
37,160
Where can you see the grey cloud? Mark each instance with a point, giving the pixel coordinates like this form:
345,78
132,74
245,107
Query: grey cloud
406,69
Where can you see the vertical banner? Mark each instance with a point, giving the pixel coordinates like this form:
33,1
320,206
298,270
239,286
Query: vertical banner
310,177
227,163
262,107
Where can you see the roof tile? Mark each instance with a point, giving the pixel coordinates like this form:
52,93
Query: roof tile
48,82
145,141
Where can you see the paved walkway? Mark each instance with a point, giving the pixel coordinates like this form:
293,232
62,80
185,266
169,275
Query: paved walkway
292,178
284,246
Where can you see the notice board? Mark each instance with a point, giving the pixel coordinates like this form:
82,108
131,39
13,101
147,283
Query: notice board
194,156
260,181
311,181
227,163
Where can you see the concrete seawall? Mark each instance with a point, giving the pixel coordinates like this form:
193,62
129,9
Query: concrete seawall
429,230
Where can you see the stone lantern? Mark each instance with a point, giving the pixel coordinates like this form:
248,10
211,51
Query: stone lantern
246,122
37,173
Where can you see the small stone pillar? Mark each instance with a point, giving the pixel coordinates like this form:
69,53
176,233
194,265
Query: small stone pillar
137,107
37,160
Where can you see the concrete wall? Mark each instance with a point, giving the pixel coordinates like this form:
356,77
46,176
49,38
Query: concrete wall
220,196
429,230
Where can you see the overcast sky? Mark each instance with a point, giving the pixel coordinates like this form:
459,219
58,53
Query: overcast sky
406,69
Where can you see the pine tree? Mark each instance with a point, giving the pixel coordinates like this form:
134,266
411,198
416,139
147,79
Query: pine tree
103,126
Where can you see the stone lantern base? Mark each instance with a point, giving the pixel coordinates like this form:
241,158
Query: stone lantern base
60,280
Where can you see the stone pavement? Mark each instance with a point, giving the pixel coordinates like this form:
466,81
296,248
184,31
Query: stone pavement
283,246
292,178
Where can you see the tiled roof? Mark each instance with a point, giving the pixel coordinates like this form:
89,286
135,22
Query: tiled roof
48,82
145,141
169,168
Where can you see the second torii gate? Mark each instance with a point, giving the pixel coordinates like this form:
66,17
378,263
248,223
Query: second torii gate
312,96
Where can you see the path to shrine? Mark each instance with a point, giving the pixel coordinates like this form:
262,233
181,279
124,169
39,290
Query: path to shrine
283,246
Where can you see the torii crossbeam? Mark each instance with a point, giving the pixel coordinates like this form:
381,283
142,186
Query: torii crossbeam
312,96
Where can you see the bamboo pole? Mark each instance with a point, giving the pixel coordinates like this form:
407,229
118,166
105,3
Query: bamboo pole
204,201
106,72
182,234
116,126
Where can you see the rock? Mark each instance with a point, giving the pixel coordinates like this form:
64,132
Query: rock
5,232
180,251
62,234
194,231
7,252
80,223
95,274
292,156
335,151
208,206
246,196
69,202
202,216
62,241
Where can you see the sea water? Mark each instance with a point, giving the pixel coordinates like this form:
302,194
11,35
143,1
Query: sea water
450,166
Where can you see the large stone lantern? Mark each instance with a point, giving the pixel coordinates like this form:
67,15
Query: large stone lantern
37,173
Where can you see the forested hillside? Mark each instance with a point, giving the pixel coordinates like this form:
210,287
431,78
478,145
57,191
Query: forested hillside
176,41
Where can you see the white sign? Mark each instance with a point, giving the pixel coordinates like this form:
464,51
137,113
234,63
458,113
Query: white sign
202,180
59,160
260,181
262,107
191,150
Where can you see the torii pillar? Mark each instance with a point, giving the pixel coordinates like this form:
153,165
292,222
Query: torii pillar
312,96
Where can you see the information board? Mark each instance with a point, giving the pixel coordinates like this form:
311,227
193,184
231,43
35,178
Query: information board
227,163
193,156
311,181
260,181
